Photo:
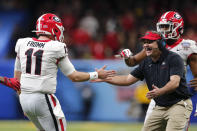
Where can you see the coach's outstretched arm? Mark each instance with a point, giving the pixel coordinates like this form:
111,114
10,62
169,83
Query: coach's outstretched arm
121,80
77,76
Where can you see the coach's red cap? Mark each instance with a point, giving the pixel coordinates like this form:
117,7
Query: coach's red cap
150,35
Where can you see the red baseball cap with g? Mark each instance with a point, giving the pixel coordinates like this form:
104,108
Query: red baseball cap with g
151,35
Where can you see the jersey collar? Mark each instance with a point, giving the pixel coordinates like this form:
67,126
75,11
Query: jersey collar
40,40
173,45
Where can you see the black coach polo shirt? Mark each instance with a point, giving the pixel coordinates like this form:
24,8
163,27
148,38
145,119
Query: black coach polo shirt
158,73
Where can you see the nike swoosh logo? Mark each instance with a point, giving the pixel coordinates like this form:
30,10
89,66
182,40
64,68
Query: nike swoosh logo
178,49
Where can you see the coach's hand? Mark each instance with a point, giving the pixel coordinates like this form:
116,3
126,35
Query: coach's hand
12,83
153,93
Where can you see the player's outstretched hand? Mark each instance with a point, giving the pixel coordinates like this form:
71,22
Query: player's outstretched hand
103,74
12,83
193,84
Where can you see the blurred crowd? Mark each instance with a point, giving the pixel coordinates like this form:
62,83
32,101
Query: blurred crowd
99,29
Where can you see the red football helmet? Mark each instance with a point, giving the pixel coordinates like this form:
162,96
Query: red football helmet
50,24
170,25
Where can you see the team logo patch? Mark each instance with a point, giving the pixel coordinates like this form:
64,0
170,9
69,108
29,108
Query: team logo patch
185,45
163,65
56,19
178,49
177,16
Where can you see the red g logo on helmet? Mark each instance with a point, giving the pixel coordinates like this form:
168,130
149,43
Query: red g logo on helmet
170,25
50,24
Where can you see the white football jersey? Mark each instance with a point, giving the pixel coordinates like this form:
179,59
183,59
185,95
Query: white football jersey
39,64
184,48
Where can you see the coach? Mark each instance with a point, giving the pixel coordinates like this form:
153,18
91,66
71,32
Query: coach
163,71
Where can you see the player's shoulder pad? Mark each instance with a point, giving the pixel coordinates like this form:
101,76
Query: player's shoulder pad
59,48
187,43
19,42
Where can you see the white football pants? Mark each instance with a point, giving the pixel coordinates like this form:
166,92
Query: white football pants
44,111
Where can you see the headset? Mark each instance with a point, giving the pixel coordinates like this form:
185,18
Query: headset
161,42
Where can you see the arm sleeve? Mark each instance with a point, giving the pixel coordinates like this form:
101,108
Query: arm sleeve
176,66
66,66
17,66
138,72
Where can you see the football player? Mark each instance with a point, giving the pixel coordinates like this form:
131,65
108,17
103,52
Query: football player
36,66
10,82
171,26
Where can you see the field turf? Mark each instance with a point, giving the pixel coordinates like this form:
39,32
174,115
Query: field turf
78,126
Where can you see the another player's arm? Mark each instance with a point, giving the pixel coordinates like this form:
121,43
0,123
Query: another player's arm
11,82
192,61
17,75
130,59
136,59
68,69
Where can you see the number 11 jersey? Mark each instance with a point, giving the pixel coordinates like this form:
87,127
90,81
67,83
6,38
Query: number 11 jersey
39,60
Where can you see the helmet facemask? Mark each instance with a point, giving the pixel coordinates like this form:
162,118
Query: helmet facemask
170,25
169,29
58,33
